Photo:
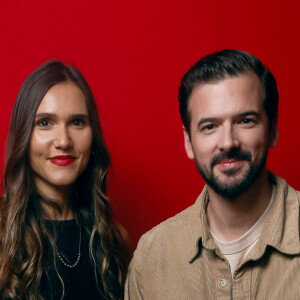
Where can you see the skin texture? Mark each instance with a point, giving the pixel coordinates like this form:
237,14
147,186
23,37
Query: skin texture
229,138
61,128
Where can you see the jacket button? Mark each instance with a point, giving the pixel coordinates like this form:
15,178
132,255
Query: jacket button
222,283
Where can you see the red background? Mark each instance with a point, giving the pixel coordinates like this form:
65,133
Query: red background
133,54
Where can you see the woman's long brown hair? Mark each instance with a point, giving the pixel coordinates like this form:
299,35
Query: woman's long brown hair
22,227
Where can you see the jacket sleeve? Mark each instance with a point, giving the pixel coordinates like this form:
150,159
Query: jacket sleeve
133,285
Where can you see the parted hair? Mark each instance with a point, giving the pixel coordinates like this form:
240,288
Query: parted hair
22,228
225,64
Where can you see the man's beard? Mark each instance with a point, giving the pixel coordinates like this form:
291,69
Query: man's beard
238,186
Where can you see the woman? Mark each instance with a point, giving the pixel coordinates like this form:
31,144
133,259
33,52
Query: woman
58,240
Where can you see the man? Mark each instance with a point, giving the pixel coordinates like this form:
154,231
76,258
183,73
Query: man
240,240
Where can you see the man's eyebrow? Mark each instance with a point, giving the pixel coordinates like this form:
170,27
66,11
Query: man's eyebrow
206,120
243,114
249,113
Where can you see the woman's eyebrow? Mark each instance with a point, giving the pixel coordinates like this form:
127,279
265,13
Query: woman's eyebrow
45,115
79,116
51,115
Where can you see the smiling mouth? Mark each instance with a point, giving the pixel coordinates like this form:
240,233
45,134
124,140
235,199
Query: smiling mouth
62,160
231,163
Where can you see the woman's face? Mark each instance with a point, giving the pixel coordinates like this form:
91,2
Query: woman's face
61,138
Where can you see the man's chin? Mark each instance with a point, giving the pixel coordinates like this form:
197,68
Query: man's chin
230,177
229,186
229,191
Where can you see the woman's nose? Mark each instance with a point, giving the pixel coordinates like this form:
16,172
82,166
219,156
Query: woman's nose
62,138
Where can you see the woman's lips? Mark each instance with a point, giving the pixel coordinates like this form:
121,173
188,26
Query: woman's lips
62,160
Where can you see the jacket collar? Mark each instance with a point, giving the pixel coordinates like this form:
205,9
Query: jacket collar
281,230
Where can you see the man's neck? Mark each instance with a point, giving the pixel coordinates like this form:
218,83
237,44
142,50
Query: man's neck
231,218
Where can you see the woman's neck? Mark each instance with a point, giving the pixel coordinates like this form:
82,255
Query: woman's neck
61,207
52,212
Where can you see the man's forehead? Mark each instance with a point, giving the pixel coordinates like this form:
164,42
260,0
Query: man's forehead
229,95
249,75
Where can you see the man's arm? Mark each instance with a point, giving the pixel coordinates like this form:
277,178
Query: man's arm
133,289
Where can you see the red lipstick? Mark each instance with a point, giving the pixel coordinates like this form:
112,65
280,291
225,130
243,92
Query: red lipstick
62,160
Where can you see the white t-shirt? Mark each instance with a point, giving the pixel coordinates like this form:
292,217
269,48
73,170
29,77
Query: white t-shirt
235,250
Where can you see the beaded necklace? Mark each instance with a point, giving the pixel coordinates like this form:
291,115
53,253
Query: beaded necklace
65,261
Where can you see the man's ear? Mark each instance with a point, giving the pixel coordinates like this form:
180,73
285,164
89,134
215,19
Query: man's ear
187,144
274,134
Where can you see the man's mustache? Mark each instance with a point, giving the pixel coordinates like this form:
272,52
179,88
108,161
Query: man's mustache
233,154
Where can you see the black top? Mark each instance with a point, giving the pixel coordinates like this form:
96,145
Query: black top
79,282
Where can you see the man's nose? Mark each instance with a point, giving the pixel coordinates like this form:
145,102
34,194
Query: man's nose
228,138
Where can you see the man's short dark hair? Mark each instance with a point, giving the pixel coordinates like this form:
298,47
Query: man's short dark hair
226,64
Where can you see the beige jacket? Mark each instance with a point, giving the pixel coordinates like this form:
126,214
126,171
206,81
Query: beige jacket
179,259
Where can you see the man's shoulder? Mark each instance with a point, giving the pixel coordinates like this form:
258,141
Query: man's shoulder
288,192
173,223
172,232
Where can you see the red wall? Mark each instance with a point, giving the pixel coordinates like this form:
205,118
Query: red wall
133,53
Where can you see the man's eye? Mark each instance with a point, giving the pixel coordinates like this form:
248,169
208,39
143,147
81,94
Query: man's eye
209,126
247,121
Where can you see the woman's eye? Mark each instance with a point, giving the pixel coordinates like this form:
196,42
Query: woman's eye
43,123
78,122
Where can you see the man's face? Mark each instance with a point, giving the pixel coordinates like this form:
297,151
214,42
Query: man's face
229,135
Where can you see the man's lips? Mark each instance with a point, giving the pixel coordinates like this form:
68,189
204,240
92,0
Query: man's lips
62,160
230,163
